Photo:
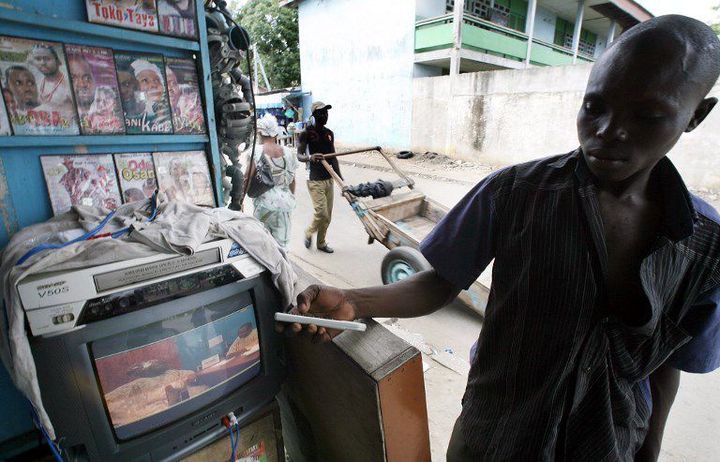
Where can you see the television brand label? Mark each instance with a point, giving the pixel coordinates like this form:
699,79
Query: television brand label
146,272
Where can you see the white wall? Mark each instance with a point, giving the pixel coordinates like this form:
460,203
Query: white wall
429,8
507,117
545,25
358,56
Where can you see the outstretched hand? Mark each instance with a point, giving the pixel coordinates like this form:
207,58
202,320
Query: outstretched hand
324,302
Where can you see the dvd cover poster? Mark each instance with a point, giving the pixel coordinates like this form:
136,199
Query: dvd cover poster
185,176
4,121
80,180
36,87
177,17
130,14
184,94
143,93
97,97
136,173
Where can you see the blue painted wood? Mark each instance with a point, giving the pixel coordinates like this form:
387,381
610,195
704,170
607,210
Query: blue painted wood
105,140
72,30
26,195
216,164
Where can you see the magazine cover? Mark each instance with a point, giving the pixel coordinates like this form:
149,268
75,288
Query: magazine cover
97,98
137,176
184,94
185,176
177,17
143,93
4,121
80,180
36,87
130,14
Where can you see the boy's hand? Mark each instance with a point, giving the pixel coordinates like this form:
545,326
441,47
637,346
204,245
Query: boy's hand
323,302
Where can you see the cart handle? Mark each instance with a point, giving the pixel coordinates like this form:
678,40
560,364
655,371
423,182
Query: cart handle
338,154
409,181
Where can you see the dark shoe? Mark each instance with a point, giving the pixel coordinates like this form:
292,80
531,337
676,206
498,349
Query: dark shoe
308,242
326,248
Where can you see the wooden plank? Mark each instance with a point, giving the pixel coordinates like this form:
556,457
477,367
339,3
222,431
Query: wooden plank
401,209
402,399
381,202
433,211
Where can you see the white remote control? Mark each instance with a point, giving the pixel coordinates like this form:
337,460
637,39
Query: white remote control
321,322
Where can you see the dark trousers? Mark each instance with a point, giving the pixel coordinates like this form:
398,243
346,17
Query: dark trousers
457,450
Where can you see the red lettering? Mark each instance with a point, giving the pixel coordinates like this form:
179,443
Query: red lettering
97,9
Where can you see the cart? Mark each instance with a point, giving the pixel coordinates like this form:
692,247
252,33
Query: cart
400,222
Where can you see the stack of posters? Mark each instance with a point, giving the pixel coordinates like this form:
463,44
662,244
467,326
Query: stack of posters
36,87
185,176
177,17
184,93
143,93
80,180
92,71
4,121
137,176
130,14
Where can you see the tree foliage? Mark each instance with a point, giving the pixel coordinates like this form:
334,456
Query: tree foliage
275,32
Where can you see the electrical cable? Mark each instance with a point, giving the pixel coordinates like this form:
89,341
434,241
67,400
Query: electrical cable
50,442
232,444
90,234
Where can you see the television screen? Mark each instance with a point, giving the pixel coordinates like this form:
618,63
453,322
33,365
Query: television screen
158,367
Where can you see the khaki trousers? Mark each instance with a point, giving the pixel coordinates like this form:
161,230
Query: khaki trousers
321,193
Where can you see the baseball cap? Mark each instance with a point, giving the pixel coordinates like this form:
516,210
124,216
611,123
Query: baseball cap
317,105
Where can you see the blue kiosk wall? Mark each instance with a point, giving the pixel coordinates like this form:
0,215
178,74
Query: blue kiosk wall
23,195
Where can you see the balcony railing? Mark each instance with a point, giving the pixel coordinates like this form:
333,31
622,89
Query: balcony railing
487,37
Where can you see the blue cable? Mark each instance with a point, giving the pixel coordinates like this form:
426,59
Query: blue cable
50,442
232,444
47,246
89,234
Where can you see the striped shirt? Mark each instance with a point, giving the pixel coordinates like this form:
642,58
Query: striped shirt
555,377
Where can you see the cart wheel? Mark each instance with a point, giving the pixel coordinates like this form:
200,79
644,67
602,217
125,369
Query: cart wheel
402,262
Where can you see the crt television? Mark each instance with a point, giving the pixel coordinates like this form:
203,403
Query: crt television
151,370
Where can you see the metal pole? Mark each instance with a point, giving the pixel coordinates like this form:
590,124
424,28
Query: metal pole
578,29
530,30
611,33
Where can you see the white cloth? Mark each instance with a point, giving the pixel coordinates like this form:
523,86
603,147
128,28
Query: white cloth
178,228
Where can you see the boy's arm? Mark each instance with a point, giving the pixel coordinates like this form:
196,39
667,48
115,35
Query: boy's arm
664,384
302,147
418,295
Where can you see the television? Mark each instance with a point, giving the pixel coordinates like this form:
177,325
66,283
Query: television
151,370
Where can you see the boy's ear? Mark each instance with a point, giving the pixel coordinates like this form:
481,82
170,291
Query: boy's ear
701,112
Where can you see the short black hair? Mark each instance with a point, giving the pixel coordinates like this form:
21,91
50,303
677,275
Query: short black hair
703,61
14,68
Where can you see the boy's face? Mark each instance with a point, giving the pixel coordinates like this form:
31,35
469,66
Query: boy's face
638,102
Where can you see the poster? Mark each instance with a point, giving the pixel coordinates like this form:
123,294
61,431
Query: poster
136,174
4,121
80,180
143,93
130,14
177,17
97,98
36,87
185,176
184,94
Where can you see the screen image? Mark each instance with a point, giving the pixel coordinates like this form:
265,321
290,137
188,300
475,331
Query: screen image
153,368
